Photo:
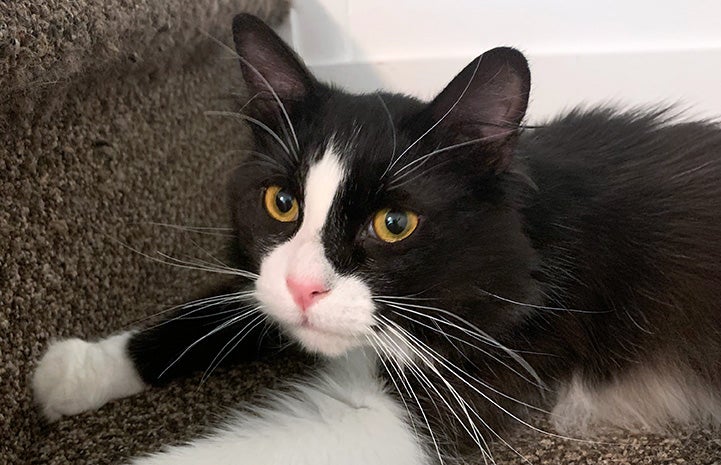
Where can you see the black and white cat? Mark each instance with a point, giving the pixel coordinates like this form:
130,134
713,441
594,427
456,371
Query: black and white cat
456,268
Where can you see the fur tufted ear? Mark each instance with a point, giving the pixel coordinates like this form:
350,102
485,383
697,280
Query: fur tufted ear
486,100
269,65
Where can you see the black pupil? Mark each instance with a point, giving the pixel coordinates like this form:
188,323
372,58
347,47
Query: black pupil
284,201
396,222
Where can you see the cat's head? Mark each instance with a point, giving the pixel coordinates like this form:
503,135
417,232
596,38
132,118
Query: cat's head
361,212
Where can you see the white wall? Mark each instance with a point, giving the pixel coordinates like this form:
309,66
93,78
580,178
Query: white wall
632,52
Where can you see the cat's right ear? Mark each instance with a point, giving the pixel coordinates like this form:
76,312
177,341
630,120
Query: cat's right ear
271,70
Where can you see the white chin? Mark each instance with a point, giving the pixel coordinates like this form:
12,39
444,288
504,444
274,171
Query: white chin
321,342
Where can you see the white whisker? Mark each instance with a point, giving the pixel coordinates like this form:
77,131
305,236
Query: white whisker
468,85
428,425
185,227
423,379
483,383
393,128
420,161
265,82
411,417
188,265
220,327
422,346
203,303
540,307
189,228
215,259
452,369
479,333
491,342
247,329
200,265
255,121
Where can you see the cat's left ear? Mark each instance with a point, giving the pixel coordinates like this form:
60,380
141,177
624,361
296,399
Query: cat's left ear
269,66
486,101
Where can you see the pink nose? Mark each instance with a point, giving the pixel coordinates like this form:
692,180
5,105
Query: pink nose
305,291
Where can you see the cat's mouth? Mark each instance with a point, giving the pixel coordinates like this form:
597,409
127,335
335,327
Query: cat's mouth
322,340
309,326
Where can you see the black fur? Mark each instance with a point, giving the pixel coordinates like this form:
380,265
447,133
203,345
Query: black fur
588,245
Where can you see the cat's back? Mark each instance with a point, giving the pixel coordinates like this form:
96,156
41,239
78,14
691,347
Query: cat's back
628,204
636,168
636,151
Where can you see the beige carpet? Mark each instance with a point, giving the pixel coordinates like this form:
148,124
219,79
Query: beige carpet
102,134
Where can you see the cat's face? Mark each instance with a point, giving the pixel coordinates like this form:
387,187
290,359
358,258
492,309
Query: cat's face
356,212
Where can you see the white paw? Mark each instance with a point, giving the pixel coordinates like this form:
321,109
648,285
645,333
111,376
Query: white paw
75,376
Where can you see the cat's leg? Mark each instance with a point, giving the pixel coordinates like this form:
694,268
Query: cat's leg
75,375
345,416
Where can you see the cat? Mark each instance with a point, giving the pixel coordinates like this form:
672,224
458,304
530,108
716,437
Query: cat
455,268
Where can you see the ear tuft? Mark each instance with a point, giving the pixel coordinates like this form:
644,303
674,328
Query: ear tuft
268,66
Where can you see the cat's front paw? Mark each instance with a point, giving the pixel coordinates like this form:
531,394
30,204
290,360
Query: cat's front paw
75,376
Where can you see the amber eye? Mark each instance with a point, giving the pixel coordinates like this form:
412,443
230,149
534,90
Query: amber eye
394,225
280,204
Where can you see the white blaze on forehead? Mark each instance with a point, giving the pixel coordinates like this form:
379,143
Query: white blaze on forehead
322,183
